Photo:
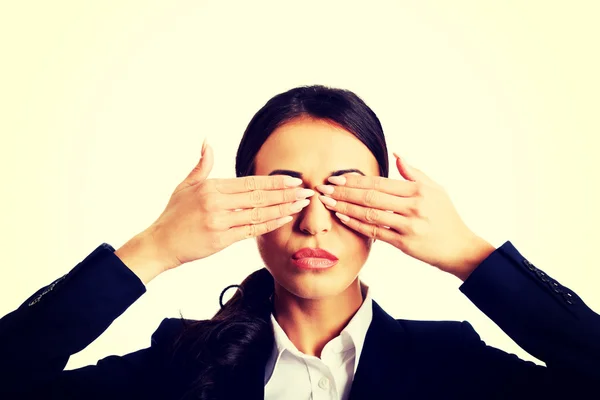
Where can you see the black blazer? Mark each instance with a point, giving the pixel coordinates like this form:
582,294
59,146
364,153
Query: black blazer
401,359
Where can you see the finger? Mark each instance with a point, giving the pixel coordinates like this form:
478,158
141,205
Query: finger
394,187
370,198
369,215
370,230
259,215
405,171
248,231
409,172
202,168
255,182
263,198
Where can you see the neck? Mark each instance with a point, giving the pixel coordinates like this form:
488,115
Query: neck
311,323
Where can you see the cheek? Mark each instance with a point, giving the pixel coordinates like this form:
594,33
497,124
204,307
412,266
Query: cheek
271,246
357,242
276,239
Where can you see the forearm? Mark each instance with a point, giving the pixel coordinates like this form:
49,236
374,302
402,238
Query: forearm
545,318
61,319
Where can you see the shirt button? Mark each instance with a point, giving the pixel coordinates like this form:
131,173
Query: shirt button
324,383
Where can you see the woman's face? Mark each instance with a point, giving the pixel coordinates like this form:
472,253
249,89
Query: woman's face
315,149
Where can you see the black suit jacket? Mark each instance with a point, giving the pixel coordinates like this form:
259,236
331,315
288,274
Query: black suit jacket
401,359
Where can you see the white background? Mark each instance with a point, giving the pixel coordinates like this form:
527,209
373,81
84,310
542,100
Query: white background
104,106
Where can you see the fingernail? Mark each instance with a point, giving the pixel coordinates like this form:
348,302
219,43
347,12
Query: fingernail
396,155
284,220
337,180
291,182
327,189
299,205
204,146
328,201
303,193
342,217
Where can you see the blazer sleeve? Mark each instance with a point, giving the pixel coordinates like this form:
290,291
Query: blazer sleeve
61,319
548,320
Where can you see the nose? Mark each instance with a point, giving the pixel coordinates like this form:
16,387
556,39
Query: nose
315,218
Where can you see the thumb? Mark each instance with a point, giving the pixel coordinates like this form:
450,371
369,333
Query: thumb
406,170
203,168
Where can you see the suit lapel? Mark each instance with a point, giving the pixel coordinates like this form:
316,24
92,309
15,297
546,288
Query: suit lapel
380,371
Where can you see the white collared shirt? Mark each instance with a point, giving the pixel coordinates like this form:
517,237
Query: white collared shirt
293,375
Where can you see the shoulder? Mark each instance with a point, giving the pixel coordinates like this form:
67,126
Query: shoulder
437,333
173,342
171,330
443,342
435,328
176,335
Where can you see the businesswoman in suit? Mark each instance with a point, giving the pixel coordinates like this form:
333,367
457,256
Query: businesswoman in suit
312,188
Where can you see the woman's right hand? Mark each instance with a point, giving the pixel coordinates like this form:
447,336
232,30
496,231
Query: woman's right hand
201,217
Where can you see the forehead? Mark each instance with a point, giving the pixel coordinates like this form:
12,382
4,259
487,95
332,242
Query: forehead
314,148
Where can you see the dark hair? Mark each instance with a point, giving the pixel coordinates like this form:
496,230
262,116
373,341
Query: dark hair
339,106
232,348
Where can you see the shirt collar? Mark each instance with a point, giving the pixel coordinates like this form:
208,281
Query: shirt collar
353,335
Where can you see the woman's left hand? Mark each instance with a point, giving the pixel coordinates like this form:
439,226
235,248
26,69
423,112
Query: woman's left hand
416,216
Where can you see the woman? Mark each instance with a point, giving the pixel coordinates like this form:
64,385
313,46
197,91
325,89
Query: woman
298,329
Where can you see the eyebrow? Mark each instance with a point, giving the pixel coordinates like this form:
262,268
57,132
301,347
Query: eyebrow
297,174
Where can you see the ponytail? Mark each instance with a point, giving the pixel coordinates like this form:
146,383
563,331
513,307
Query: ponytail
227,353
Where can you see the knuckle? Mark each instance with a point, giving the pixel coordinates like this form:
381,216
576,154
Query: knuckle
257,198
276,182
409,228
282,210
415,230
360,180
419,187
250,231
289,195
377,182
419,229
360,226
372,215
213,222
214,185
250,182
370,197
269,226
415,205
255,215
210,202
399,226
398,243
374,231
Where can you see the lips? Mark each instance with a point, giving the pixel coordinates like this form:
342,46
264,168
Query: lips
308,252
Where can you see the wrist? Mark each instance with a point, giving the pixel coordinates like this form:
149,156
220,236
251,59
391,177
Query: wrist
477,250
143,257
